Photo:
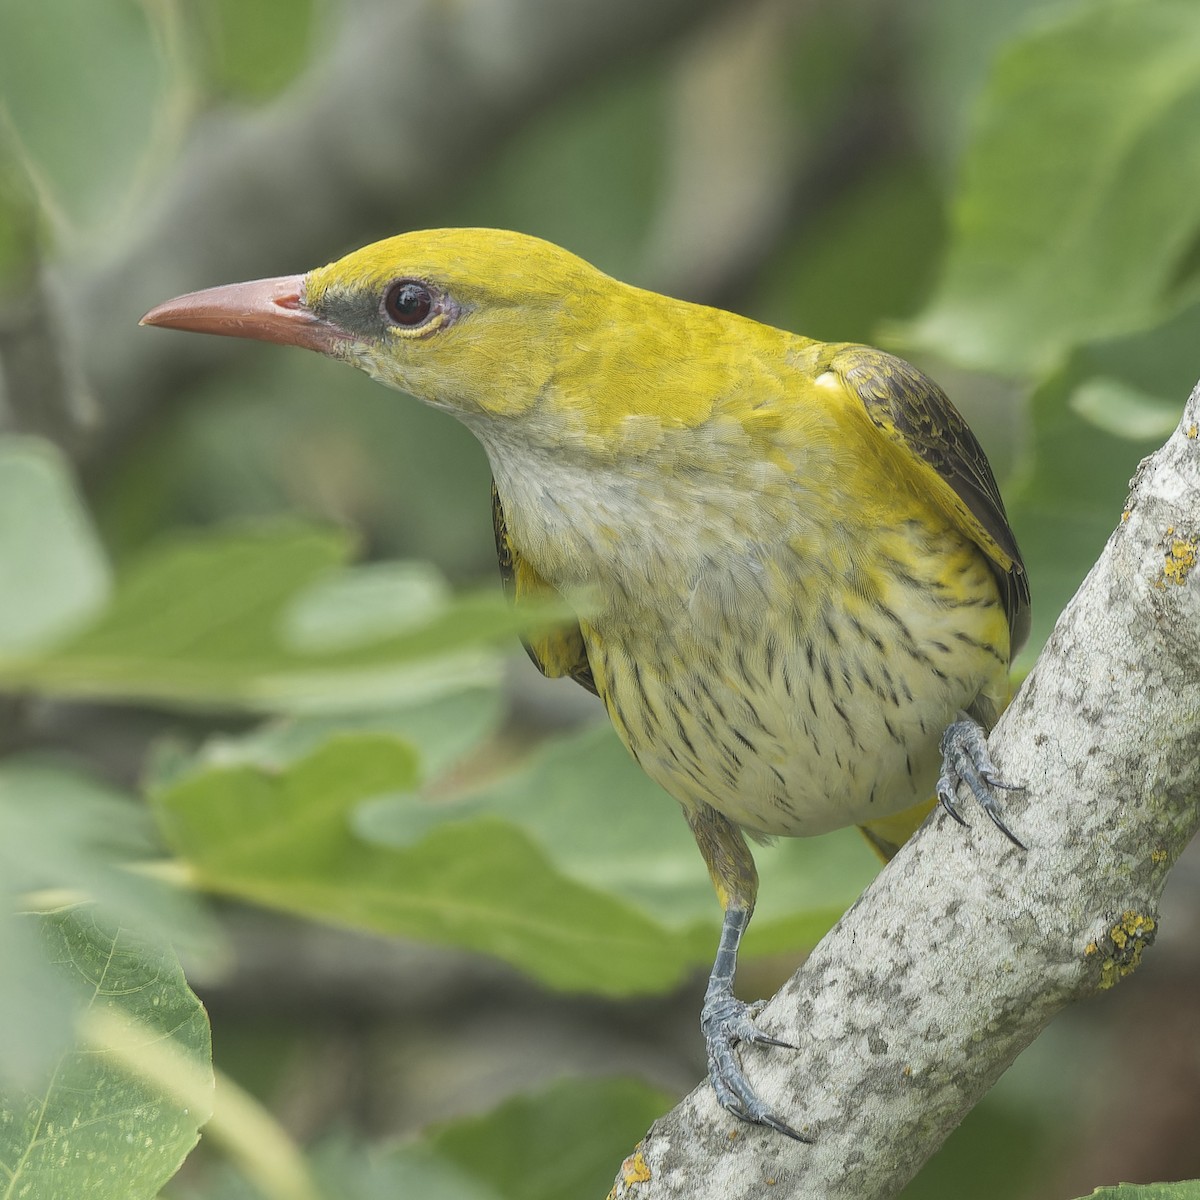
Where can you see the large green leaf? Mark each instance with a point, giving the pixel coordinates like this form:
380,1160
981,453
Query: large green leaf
54,575
576,868
605,824
444,729
83,90
346,1169
1070,498
64,836
253,50
565,1141
284,838
270,619
1003,1148
949,48
1079,198
93,1125
18,223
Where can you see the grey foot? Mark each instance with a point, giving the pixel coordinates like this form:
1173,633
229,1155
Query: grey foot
725,1021
965,759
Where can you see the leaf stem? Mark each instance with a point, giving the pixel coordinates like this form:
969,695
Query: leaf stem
247,1133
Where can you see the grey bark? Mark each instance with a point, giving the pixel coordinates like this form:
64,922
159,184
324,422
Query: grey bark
965,947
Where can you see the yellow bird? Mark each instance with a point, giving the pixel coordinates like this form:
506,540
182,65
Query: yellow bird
799,594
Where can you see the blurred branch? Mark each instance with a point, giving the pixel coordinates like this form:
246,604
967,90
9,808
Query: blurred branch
409,97
964,948
42,389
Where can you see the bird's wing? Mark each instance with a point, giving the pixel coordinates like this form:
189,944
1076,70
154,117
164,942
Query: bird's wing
912,411
559,651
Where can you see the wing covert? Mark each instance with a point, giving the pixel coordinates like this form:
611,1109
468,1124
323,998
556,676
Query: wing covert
561,650
911,410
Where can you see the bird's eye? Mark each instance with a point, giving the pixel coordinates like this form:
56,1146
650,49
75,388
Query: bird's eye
408,302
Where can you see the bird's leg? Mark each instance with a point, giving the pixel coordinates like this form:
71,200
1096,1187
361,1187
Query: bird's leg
965,759
725,1020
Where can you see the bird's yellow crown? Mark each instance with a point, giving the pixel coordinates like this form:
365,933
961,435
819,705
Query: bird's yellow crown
518,324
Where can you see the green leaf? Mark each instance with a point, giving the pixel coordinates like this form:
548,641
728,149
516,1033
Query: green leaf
35,1009
18,224
254,50
949,48
91,1126
349,1171
82,92
576,868
64,837
1079,198
55,575
284,838
1123,410
1070,498
605,824
1002,1147
565,1141
443,730
249,619
364,606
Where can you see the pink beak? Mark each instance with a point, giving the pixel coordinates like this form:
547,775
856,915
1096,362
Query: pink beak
268,310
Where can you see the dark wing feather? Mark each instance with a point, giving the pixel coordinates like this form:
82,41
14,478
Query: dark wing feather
559,651
910,409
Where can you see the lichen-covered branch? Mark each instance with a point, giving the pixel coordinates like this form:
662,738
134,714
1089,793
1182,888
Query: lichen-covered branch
965,947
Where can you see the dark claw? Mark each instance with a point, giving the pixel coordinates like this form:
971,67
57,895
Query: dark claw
998,821
946,800
781,1127
993,781
965,759
727,1021
770,1041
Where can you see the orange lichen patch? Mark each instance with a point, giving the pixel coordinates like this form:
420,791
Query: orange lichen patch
635,1169
1128,938
1179,559
1192,431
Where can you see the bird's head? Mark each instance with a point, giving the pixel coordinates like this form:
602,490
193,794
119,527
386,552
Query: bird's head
479,321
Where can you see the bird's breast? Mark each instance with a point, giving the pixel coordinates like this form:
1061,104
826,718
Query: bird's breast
793,720
769,638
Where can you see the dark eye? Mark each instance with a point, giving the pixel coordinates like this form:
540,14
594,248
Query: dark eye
408,302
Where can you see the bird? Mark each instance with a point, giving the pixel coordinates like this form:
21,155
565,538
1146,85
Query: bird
796,589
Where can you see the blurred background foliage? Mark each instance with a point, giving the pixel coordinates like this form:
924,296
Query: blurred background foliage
261,714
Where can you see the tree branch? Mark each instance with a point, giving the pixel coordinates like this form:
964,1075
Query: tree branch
962,951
